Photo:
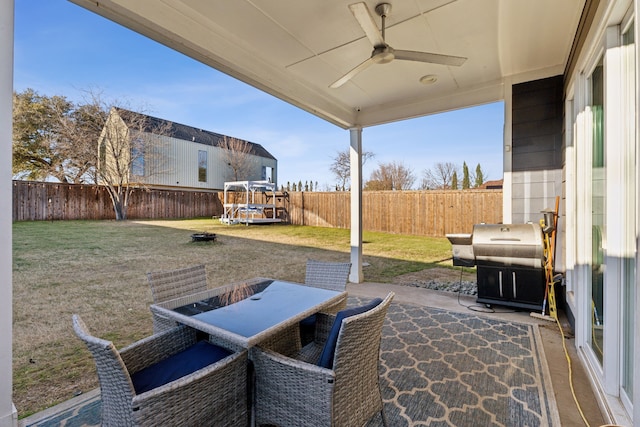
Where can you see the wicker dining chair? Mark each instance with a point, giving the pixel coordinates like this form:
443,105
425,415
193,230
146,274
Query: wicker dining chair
345,391
326,275
169,379
170,284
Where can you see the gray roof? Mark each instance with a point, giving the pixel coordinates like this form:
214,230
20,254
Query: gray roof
189,133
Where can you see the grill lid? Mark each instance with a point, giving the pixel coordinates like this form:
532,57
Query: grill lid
508,244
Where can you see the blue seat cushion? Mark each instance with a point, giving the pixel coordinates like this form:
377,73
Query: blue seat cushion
177,366
326,357
308,321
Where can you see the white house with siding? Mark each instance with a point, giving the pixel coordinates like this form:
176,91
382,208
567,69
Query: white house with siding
173,155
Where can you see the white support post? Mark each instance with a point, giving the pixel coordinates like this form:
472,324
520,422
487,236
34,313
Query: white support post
8,414
636,353
356,205
507,191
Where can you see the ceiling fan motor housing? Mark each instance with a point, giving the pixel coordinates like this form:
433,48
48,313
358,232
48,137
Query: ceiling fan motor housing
383,54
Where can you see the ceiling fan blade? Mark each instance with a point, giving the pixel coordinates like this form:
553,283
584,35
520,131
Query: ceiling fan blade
342,80
433,58
363,15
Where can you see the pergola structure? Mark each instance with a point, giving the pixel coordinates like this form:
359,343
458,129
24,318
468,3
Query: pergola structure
328,58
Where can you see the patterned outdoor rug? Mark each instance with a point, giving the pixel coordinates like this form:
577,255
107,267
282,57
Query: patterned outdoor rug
443,368
438,368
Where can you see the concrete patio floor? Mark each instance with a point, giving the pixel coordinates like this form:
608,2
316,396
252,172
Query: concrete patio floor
556,361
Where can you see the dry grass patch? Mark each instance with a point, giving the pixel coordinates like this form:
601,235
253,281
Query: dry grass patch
97,269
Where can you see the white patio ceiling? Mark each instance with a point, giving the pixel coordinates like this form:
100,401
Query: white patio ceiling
294,49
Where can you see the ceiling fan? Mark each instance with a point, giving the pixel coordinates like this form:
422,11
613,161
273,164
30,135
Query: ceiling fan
382,52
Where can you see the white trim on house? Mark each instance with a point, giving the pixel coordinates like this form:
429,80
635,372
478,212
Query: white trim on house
621,214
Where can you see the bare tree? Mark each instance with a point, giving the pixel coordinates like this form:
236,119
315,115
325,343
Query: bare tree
237,154
341,166
439,177
90,142
79,132
130,149
390,176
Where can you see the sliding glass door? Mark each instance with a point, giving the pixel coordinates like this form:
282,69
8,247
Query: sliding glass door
598,209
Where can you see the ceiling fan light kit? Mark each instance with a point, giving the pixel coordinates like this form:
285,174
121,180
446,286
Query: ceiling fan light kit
383,53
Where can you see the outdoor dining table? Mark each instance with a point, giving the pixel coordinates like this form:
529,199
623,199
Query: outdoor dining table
248,313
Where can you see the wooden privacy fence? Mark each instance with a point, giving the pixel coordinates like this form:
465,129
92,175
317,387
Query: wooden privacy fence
33,201
421,213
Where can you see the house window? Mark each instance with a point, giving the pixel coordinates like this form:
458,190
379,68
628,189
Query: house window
267,173
202,166
137,161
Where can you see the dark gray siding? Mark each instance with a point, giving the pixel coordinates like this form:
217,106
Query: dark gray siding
536,151
537,125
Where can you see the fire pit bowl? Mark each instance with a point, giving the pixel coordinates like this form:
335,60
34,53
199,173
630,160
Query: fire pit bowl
203,237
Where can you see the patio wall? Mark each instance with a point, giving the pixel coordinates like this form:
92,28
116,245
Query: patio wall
422,213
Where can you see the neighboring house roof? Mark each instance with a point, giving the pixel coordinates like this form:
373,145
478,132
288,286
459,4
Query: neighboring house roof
190,133
492,185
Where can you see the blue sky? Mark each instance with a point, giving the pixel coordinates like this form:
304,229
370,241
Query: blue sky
62,49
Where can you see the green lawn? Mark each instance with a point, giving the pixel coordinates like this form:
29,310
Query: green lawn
97,269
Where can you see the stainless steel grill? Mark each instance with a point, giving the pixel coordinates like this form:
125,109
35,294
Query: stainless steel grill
508,245
509,260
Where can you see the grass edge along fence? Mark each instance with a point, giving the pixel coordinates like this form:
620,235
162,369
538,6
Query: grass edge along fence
423,213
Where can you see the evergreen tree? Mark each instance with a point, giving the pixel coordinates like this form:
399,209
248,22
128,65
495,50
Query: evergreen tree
310,185
466,181
479,177
454,181
299,185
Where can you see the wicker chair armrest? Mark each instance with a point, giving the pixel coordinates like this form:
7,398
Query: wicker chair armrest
162,323
282,383
155,348
222,401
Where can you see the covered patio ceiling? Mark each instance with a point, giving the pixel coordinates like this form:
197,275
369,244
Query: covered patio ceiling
296,49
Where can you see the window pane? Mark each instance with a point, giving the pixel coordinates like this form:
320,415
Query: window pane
202,166
598,205
137,161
